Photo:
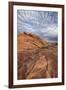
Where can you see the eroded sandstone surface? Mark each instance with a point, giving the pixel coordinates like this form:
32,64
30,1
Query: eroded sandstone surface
37,58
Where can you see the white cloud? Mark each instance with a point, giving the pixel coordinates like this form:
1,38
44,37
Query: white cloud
42,23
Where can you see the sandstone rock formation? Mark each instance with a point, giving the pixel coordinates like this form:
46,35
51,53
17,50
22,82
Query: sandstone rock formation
37,58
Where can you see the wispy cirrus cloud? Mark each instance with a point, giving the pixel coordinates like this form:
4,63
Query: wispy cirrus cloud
42,23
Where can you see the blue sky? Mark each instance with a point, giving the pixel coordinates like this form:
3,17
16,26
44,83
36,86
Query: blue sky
42,23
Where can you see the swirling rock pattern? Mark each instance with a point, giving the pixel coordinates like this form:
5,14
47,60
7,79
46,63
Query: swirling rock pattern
37,58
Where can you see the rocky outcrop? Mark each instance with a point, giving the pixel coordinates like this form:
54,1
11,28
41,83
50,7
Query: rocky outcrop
37,58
